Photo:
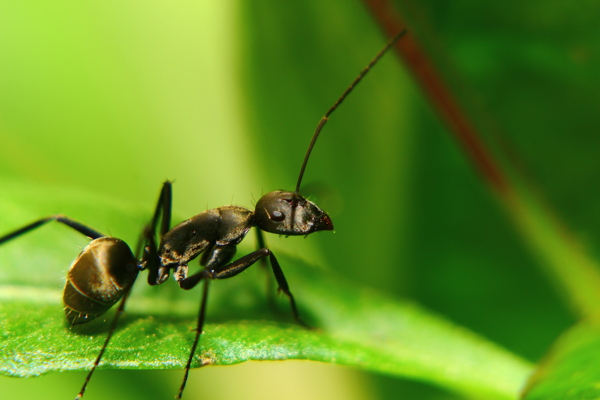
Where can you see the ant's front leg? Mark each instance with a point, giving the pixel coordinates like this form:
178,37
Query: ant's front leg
239,265
151,260
260,240
284,287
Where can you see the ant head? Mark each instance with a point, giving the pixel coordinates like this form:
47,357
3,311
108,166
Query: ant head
288,213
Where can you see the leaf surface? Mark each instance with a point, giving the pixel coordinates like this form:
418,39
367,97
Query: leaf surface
352,325
570,370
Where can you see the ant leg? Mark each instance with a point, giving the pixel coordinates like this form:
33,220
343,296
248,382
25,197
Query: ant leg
150,259
284,287
234,268
199,327
164,204
261,243
63,219
93,234
224,272
260,239
113,327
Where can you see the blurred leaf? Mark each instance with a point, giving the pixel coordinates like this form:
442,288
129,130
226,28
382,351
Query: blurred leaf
355,326
546,234
526,74
570,370
542,231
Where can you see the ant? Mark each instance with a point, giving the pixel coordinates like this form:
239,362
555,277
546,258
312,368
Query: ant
106,269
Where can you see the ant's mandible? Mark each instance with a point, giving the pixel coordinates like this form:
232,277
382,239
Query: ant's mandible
106,269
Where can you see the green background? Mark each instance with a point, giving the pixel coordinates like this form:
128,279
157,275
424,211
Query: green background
112,99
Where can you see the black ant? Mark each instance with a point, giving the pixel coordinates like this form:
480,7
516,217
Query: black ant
106,269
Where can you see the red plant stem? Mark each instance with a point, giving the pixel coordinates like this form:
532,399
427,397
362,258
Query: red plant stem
439,95
564,259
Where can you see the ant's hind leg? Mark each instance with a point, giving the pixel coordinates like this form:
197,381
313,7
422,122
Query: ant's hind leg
63,219
93,234
111,331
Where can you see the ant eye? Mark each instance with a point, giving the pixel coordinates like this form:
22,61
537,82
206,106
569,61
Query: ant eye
277,216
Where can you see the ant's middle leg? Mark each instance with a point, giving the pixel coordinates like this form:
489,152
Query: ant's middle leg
150,259
164,204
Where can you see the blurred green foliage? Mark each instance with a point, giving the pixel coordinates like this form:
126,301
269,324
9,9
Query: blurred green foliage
111,99
571,370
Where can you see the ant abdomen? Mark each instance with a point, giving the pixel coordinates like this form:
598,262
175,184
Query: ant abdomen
98,278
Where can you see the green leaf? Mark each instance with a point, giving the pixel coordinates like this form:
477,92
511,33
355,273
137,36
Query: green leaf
353,325
570,370
547,236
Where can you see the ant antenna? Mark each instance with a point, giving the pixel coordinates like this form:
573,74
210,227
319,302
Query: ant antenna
339,101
